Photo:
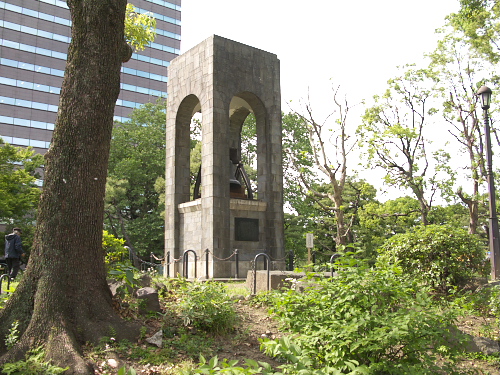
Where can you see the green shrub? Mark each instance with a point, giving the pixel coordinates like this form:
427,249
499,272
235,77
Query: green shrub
439,255
114,248
126,274
485,301
366,320
208,307
34,364
214,366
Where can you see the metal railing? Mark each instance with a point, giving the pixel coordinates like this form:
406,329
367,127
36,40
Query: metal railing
168,260
267,261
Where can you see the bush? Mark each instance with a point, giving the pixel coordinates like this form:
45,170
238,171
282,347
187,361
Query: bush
34,364
208,307
113,247
486,301
439,255
366,320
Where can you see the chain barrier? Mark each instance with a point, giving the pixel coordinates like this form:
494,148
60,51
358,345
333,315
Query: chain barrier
143,264
153,256
277,259
222,259
271,264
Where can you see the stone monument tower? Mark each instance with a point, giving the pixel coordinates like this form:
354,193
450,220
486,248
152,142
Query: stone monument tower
225,81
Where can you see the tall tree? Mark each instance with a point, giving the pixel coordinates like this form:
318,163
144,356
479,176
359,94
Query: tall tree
393,131
137,160
459,74
63,299
330,158
479,21
297,159
380,221
355,195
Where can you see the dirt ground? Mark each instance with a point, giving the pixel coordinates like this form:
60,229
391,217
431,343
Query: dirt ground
243,343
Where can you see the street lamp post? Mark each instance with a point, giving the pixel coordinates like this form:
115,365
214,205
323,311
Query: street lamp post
494,245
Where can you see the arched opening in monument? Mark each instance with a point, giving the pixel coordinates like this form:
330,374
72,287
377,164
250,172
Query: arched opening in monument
195,144
189,135
246,115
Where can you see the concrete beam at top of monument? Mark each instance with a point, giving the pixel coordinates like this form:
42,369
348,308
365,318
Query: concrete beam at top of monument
224,81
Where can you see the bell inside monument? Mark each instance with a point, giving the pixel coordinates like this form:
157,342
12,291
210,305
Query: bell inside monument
236,190
239,183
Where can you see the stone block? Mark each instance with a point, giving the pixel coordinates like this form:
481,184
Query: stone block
150,297
277,279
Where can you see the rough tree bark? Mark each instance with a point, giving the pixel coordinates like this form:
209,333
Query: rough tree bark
63,299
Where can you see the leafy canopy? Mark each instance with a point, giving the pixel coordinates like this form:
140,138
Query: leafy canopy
19,193
140,28
136,163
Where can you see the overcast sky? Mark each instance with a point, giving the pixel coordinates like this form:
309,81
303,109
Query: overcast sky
324,43
320,43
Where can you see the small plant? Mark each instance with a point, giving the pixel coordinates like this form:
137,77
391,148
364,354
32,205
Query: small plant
34,364
13,335
486,301
125,273
123,371
143,332
208,307
214,366
6,293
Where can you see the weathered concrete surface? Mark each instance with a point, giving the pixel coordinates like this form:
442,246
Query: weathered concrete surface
224,81
280,279
277,279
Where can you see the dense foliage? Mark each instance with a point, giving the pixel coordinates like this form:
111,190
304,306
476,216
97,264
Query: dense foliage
140,28
366,320
113,247
137,160
440,256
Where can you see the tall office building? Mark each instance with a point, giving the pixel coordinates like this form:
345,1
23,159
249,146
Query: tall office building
34,39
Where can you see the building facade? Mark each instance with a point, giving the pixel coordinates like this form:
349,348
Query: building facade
34,39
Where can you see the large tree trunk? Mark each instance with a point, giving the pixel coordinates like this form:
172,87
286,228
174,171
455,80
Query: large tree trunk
63,299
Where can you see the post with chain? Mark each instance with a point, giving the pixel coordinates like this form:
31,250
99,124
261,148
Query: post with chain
236,258
267,260
168,264
185,258
207,252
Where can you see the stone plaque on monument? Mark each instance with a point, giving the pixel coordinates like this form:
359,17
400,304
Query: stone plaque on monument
246,229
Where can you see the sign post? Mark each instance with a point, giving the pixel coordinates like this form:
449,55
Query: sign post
309,245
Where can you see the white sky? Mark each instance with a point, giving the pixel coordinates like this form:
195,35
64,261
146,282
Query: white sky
324,43
320,43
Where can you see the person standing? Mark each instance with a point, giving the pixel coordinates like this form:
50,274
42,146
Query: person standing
13,252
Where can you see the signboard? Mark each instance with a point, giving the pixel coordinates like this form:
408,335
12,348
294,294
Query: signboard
309,240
